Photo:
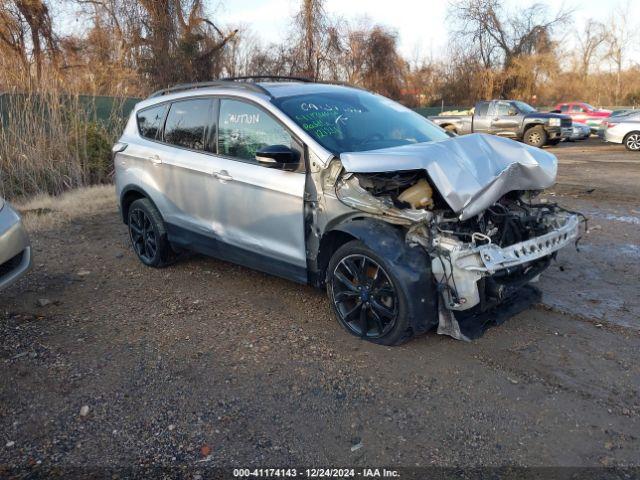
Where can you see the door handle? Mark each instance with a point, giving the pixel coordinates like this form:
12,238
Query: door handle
222,175
155,159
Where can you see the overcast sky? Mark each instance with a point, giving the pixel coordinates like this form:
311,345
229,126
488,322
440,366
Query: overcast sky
421,24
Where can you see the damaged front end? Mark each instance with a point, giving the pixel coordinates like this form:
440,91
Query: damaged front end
486,242
483,262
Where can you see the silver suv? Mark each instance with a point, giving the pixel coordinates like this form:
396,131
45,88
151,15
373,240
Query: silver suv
407,228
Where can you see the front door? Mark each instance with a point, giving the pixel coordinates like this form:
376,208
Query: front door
506,119
262,208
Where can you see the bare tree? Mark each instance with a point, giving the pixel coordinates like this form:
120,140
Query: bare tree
500,39
310,23
167,41
618,38
22,19
589,42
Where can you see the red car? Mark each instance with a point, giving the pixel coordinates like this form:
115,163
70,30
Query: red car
581,112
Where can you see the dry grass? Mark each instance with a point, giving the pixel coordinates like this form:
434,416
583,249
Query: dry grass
54,139
44,212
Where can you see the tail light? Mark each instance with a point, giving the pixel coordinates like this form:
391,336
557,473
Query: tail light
117,148
608,124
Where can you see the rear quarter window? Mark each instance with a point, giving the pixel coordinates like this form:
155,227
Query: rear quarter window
150,121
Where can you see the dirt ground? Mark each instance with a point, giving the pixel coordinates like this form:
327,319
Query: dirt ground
210,364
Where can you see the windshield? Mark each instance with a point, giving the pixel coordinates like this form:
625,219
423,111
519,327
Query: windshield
524,107
357,121
589,107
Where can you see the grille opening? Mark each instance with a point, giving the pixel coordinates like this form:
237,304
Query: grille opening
11,264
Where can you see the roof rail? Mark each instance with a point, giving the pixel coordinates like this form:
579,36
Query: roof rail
271,77
227,83
244,83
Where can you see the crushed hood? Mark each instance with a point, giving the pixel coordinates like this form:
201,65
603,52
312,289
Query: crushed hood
471,172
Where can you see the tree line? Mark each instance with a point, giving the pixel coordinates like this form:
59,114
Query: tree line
132,47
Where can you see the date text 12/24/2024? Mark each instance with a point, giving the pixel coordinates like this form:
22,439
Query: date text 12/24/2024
315,473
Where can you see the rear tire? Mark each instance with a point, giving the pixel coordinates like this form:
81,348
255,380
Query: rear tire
632,141
535,136
366,296
148,234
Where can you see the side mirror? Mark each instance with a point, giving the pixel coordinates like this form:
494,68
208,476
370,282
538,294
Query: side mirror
278,156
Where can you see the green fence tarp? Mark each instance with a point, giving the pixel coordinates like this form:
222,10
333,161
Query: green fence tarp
99,108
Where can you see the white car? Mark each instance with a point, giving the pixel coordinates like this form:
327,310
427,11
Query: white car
625,130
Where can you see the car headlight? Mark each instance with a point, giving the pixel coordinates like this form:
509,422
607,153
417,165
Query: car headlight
554,122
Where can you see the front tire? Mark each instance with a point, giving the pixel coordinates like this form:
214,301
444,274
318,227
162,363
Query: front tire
366,296
632,141
535,136
148,234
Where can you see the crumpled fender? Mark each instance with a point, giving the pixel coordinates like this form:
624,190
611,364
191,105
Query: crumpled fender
412,267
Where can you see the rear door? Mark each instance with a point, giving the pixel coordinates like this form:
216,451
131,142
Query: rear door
184,161
481,120
506,119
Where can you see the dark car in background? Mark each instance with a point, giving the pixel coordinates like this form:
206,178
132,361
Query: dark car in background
512,119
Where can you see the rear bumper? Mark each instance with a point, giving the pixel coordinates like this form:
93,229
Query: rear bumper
612,137
15,249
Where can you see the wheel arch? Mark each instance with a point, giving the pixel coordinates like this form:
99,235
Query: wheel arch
532,124
628,134
130,194
411,264
329,243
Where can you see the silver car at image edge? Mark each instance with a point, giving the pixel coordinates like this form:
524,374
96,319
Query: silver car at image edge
15,249
623,129
407,228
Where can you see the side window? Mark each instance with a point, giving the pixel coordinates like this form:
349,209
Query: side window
189,123
577,108
245,128
564,108
482,110
150,121
502,109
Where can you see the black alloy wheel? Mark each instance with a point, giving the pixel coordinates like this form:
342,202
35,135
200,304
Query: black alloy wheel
148,234
364,297
143,236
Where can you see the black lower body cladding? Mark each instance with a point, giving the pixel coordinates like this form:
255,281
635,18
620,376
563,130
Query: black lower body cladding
412,267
